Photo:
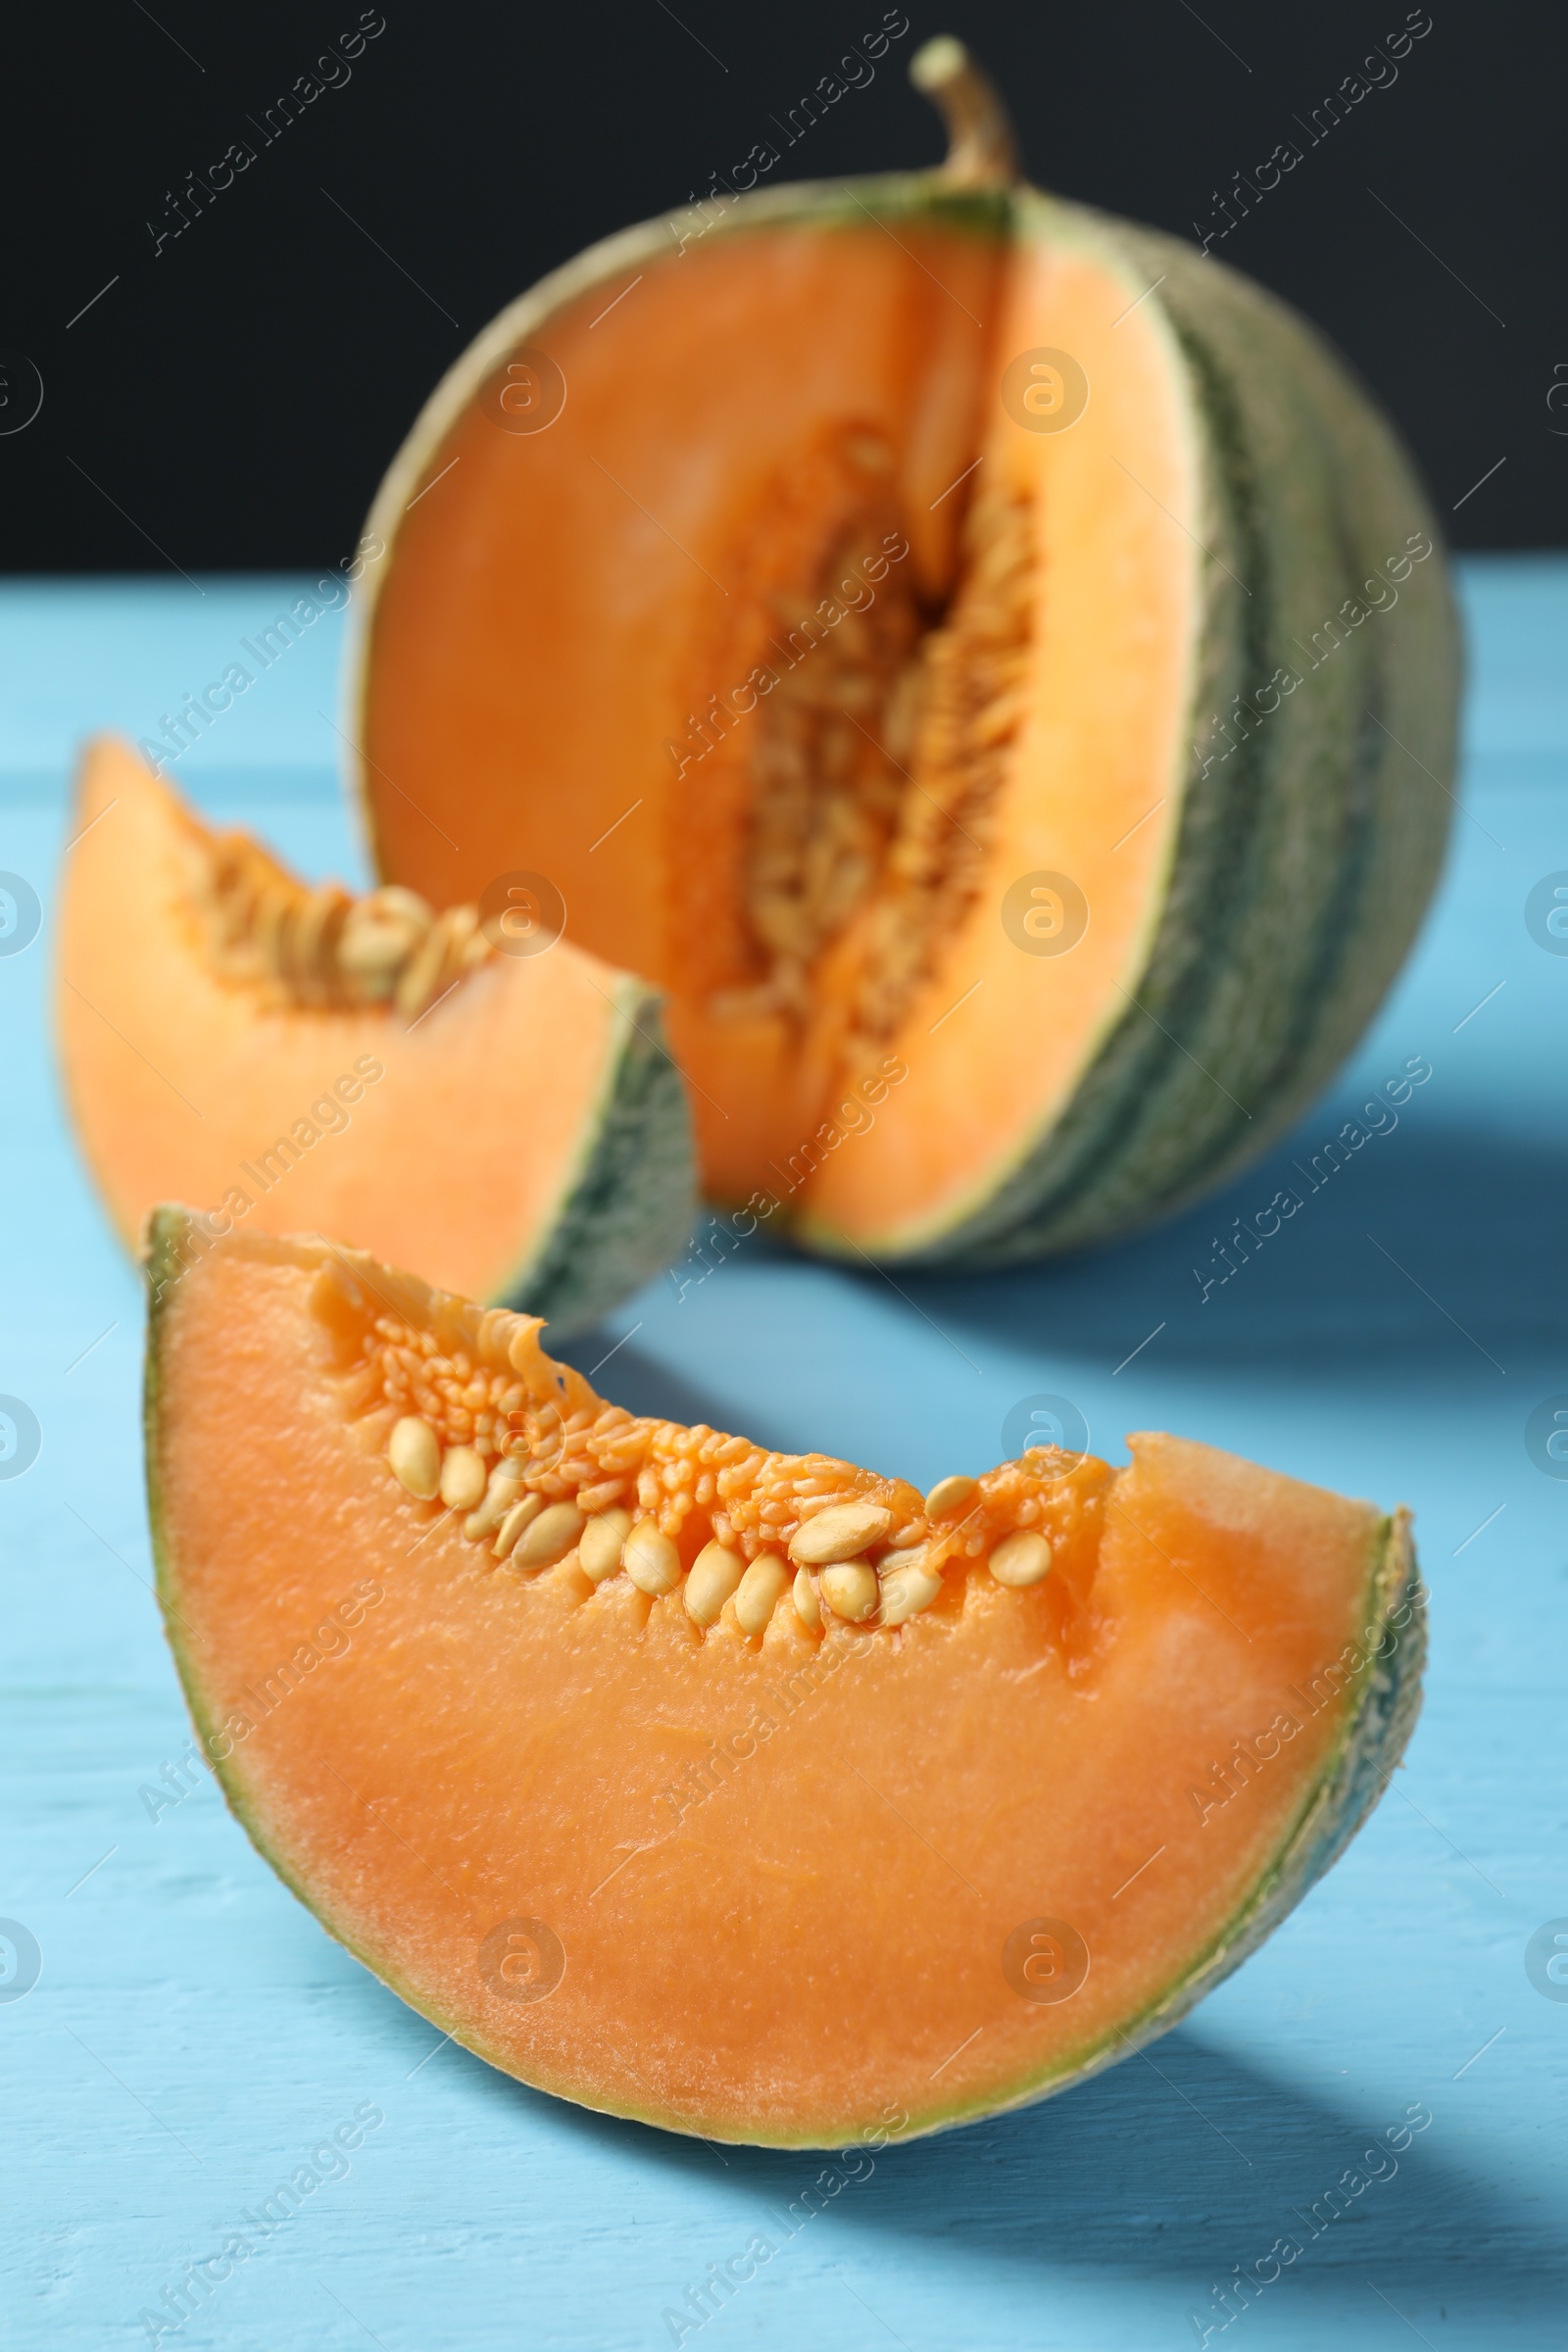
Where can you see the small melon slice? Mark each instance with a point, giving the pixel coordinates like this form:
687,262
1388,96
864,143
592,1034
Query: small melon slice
741,1793
287,1056
1035,687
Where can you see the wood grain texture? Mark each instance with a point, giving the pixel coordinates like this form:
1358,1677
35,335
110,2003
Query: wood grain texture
194,2037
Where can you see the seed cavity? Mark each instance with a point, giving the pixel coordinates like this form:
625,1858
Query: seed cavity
650,1559
950,1498
839,1533
322,948
1022,1559
414,1452
599,1547
852,1589
464,1479
866,782
461,1386
759,1591
716,1574
970,702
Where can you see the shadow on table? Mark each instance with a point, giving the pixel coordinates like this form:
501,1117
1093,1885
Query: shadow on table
1183,2163
1427,1238
1441,1248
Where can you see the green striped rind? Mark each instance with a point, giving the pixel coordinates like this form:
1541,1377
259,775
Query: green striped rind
629,1206
1305,859
1376,1731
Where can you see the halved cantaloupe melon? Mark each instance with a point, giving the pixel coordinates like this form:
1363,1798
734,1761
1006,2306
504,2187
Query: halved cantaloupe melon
941,635
288,1056
745,1793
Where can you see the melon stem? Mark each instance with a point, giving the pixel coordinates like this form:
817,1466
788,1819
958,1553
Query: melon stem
982,152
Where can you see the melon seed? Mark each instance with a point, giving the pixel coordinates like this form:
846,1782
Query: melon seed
599,1548
414,1452
907,1585
379,934
950,1498
757,1594
463,1478
808,1608
549,1538
851,1590
520,1515
840,1533
716,1574
499,1496
651,1561
1022,1559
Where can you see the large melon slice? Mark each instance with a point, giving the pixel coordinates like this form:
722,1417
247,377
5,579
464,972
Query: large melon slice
289,1057
745,1793
988,662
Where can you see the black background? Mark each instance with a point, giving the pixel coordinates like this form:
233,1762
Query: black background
232,401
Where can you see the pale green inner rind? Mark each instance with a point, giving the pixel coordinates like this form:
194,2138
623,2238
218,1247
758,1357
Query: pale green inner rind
626,1208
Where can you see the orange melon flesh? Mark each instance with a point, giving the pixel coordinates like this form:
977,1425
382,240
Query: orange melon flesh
1111,684
459,1138
657,535
760,1889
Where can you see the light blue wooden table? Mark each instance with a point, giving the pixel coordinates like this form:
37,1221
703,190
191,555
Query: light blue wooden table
193,2036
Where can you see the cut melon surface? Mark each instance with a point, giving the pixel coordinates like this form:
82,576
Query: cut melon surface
515,1123
1036,681
748,1794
